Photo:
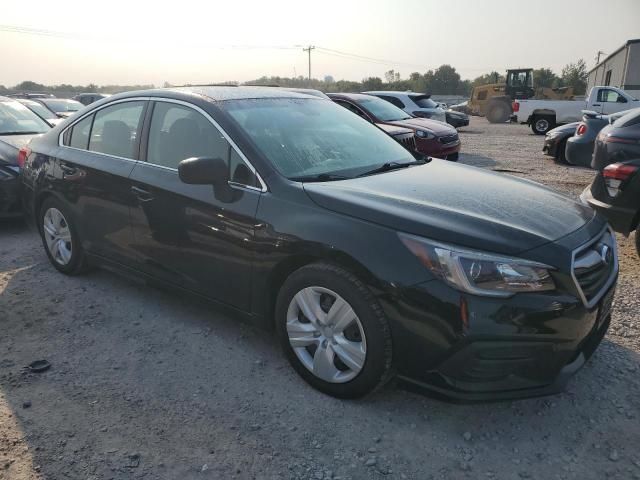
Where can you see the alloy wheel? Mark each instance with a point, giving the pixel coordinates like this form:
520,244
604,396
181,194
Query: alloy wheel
542,125
326,334
57,236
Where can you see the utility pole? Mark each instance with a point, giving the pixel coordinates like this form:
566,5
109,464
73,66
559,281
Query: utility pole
308,49
600,52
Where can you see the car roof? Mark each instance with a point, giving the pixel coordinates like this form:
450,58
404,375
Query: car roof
391,92
351,96
222,93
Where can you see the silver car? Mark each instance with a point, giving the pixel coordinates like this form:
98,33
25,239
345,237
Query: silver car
416,104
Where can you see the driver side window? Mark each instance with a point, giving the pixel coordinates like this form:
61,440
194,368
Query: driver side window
178,132
609,96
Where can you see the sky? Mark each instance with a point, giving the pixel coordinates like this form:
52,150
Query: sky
191,41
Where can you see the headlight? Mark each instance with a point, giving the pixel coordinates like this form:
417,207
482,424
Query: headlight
424,134
477,272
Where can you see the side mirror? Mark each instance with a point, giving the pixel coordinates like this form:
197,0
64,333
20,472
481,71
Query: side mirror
621,99
203,171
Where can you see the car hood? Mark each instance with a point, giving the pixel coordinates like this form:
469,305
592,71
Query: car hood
457,204
393,129
439,128
11,144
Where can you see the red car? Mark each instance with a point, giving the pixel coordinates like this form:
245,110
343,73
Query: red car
433,138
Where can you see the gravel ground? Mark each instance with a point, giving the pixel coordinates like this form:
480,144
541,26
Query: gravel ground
145,384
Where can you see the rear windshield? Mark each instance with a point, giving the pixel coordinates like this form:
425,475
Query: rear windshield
16,119
632,117
383,110
423,101
61,106
313,137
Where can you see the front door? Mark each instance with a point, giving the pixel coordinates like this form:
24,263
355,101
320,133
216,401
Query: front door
191,235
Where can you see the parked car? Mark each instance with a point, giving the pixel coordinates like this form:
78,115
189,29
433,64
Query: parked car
617,142
39,109
31,95
89,98
543,115
456,119
615,193
432,138
62,107
300,215
415,104
555,141
462,107
579,149
18,125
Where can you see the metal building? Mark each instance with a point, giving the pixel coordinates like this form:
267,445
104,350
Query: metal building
620,69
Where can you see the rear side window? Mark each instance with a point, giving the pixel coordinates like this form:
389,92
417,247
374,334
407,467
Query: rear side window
396,101
80,133
116,128
423,101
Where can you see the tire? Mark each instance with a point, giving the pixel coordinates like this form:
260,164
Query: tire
561,156
361,361
542,124
638,240
60,238
498,112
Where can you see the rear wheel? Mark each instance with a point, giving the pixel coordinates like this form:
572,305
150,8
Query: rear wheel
60,238
498,112
333,331
542,124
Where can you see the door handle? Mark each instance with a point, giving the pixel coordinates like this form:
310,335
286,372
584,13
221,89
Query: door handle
596,105
142,195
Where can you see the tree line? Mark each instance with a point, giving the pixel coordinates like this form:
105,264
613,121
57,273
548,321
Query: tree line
444,80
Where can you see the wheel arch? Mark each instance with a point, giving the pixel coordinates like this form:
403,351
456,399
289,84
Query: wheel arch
283,269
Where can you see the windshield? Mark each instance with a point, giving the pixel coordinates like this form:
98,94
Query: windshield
309,137
17,119
61,106
383,110
39,109
423,101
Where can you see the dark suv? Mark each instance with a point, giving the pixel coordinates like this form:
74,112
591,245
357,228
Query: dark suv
299,215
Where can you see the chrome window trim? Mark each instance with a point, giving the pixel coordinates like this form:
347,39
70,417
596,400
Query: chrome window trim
614,271
263,185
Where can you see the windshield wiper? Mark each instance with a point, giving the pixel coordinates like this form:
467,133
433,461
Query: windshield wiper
321,177
385,167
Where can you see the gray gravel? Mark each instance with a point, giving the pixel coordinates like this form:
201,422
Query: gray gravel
145,384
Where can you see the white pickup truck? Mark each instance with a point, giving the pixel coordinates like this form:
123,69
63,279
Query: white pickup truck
543,115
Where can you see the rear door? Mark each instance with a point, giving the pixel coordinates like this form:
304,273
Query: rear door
194,236
93,167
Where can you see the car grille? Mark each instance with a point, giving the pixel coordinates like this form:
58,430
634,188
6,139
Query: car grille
595,266
408,140
449,138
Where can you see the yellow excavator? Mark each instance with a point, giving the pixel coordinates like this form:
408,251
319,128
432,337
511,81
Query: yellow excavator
493,101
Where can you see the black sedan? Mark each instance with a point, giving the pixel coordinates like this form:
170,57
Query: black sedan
555,141
295,213
18,125
456,119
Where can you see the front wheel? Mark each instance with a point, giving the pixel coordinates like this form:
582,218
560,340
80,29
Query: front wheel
333,331
498,112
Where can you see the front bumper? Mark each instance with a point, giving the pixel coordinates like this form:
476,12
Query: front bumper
10,188
550,146
471,348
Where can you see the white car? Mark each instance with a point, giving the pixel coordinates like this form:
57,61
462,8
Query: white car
416,104
543,115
